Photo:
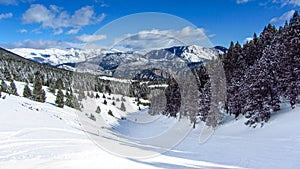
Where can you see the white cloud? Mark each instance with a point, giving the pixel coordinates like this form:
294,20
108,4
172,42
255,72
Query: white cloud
290,2
147,40
23,31
8,2
286,2
90,38
40,44
286,16
56,18
73,31
15,2
58,31
242,1
6,15
248,39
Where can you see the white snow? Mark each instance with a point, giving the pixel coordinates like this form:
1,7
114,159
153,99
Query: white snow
40,135
55,56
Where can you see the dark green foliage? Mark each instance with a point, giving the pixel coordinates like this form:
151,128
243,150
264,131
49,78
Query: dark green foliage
52,88
92,117
123,108
27,92
98,110
110,113
38,92
97,96
105,102
103,96
69,99
4,87
13,88
59,99
173,98
59,84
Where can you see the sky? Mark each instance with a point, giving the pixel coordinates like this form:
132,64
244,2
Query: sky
44,24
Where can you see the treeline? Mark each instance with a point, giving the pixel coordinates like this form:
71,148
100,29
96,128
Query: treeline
259,75
262,73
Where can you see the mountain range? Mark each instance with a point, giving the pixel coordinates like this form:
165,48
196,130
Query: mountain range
105,62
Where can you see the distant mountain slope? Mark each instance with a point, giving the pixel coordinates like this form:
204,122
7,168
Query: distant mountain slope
104,62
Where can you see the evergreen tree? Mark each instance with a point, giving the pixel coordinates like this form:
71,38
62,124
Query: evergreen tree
38,92
110,113
52,88
4,87
98,110
27,92
123,108
97,96
105,102
70,101
13,88
113,103
59,84
59,99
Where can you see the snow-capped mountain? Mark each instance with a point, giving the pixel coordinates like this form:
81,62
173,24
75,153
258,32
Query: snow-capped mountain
53,56
189,54
105,62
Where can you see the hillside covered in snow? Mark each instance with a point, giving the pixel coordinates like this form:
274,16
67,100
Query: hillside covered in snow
41,135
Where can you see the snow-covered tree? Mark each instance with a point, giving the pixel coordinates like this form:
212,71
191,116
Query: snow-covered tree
59,99
13,88
98,110
27,92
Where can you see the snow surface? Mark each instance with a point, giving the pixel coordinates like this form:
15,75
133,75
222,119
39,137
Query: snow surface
56,56
40,135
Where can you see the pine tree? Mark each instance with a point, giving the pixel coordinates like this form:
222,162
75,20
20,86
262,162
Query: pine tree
52,88
13,88
97,96
27,92
59,99
69,99
98,110
123,108
4,87
105,102
59,84
110,113
113,103
38,93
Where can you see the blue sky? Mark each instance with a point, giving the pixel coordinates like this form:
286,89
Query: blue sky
62,23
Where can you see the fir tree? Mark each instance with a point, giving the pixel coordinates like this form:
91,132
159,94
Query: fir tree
38,93
105,102
69,99
13,88
4,87
123,108
110,113
59,99
98,110
27,92
113,103
97,96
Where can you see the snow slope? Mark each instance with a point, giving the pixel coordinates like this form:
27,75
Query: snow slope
37,135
